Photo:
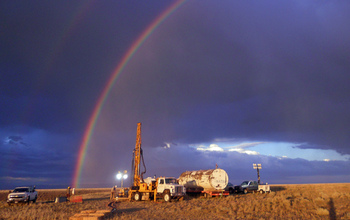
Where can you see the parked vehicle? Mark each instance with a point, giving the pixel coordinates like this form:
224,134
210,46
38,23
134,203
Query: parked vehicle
22,194
247,186
230,188
164,187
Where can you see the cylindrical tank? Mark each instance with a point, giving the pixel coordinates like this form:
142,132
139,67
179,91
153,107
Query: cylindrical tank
215,179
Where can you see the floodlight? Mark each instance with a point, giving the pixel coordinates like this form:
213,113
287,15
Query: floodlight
119,176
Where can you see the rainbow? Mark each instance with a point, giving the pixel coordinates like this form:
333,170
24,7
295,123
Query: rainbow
126,58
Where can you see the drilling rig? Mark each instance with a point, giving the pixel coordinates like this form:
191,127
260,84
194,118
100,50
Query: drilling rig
150,188
138,155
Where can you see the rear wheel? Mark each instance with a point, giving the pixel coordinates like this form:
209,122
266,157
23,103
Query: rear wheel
35,199
245,191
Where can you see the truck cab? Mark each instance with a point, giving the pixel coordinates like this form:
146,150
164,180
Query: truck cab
169,188
164,187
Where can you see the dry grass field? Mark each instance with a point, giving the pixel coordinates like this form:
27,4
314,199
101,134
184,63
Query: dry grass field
309,201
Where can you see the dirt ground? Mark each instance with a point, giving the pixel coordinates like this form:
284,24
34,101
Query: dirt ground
304,201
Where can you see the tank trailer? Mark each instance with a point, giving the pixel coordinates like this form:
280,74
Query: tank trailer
205,182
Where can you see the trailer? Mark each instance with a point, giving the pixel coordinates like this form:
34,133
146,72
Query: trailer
264,188
208,193
205,182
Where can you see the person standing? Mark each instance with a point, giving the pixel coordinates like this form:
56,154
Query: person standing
68,192
113,193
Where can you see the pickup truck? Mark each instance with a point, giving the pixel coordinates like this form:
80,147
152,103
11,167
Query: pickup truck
247,186
22,194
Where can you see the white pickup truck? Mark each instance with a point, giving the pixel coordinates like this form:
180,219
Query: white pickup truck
22,194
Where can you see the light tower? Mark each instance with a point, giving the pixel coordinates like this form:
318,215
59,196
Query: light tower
121,176
257,167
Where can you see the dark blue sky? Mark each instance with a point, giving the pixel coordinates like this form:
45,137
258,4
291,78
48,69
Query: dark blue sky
234,83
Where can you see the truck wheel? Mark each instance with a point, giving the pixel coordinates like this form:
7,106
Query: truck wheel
167,197
137,196
245,191
28,200
35,199
207,195
261,191
231,191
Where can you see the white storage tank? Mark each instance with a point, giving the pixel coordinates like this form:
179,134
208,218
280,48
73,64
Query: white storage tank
215,179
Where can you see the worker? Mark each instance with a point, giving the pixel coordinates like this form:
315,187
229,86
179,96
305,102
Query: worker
68,192
113,193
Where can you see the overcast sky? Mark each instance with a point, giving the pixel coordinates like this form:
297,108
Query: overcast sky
230,83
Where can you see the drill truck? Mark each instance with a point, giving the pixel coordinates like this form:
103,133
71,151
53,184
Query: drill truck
151,188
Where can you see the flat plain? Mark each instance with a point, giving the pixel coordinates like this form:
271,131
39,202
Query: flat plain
300,201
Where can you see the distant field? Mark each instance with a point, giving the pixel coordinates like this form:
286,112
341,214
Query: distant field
304,201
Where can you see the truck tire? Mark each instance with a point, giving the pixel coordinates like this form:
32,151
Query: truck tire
28,200
35,199
166,197
207,195
231,191
137,196
245,191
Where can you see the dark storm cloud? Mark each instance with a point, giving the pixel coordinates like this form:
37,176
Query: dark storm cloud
250,71
15,140
55,60
270,71
56,57
35,162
